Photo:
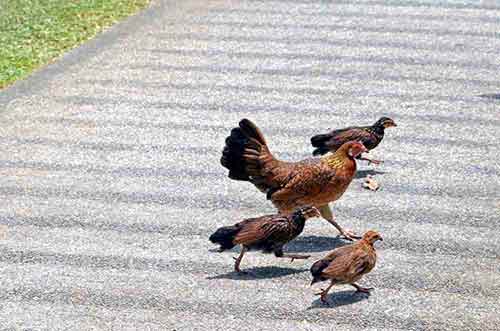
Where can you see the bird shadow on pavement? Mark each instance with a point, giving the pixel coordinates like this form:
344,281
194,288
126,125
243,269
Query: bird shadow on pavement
315,244
364,173
491,96
255,273
338,299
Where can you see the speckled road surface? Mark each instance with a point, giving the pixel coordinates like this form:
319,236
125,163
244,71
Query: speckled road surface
111,184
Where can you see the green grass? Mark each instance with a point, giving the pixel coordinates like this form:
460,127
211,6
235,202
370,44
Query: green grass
34,32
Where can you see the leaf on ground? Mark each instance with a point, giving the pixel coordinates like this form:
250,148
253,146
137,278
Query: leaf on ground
370,183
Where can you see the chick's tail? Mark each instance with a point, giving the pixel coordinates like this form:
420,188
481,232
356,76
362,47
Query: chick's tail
224,236
319,141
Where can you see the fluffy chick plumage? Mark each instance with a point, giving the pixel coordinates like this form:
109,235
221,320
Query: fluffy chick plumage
347,264
267,233
370,136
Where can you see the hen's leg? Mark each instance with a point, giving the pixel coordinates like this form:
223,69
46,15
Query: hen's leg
239,258
362,289
327,214
324,292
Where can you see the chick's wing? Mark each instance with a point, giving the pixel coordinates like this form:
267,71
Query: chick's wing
261,229
339,137
349,266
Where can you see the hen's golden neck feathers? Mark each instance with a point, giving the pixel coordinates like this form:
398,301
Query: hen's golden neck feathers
337,160
334,161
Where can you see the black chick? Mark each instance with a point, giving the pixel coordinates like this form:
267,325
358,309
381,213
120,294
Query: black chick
370,136
267,233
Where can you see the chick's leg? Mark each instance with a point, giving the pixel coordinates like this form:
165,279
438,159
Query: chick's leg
324,292
377,162
296,256
327,214
238,259
362,289
278,252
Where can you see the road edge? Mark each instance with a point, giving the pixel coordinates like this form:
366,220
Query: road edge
37,80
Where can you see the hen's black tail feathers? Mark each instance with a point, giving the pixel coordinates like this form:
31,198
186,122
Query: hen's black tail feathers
245,153
316,270
252,131
232,155
224,236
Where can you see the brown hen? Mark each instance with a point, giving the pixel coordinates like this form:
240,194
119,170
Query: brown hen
314,181
347,264
267,233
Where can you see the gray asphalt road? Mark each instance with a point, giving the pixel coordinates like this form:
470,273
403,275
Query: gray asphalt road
111,184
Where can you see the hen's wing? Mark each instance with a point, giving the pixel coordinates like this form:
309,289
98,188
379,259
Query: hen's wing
306,178
261,229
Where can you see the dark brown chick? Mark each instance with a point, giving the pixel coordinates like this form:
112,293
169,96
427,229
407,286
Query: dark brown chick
314,181
347,264
370,136
266,233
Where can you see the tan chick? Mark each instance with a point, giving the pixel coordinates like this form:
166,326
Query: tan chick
347,264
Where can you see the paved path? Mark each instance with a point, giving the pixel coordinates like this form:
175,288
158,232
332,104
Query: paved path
110,180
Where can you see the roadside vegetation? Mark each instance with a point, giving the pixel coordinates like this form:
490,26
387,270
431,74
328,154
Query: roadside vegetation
34,32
